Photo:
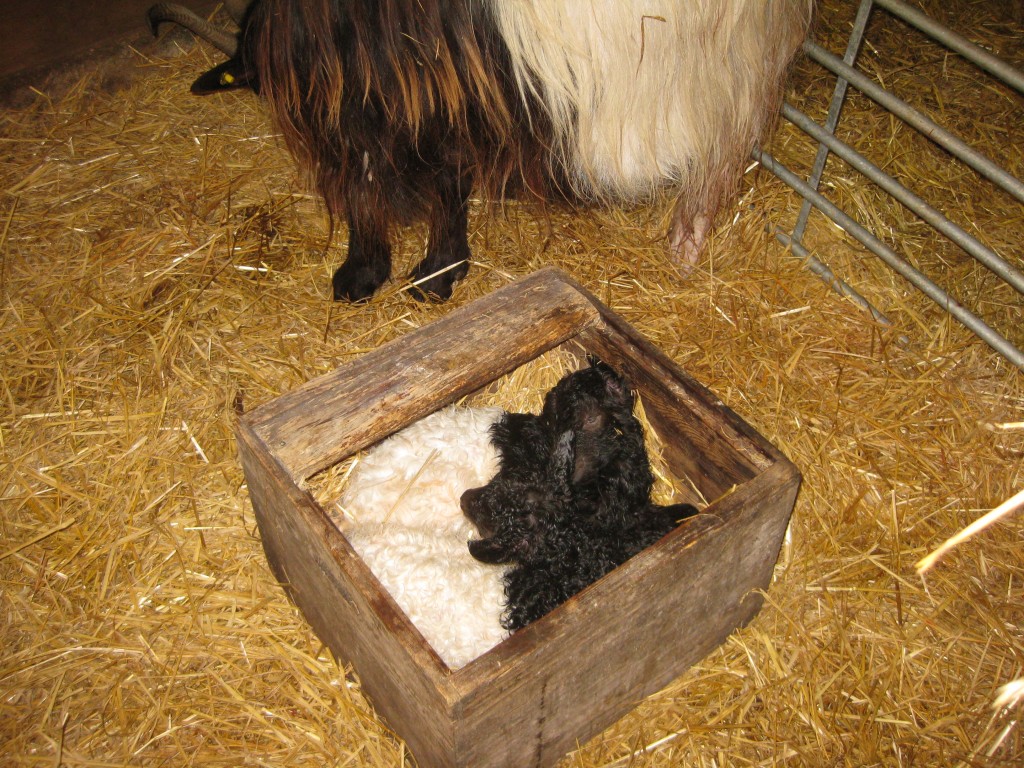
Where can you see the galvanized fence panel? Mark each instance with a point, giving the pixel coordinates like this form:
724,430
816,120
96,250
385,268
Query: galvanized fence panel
824,134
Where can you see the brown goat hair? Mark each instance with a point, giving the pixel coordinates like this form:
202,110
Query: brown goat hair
396,108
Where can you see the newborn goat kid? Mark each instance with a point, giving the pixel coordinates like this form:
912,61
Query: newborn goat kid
571,499
401,514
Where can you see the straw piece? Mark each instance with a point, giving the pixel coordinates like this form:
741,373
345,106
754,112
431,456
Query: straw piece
1009,695
983,522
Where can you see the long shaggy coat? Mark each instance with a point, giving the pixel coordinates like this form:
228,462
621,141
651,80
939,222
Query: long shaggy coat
397,108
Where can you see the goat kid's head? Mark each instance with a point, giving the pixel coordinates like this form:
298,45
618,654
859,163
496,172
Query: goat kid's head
594,408
583,453
528,497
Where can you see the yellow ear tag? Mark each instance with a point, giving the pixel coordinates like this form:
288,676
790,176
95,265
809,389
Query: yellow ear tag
226,78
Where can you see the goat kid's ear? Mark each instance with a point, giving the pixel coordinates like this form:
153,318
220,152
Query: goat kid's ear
616,386
489,551
228,76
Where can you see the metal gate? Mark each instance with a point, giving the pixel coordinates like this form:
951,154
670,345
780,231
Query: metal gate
847,75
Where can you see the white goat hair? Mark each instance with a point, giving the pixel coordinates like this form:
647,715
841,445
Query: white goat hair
648,92
402,516
651,90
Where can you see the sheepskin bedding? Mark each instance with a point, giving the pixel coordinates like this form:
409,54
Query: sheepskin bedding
402,515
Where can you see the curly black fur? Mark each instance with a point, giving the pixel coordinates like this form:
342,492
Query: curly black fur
571,499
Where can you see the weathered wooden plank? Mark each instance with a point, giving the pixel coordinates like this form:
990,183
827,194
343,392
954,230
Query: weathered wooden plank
347,607
362,402
570,675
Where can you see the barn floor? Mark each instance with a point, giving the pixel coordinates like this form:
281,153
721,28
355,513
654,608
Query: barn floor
162,267
38,35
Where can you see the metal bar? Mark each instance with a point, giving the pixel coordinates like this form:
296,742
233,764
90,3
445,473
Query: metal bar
834,108
971,245
991,337
992,64
925,125
840,286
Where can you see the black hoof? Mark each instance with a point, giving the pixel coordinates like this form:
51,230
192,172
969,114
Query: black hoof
356,283
439,287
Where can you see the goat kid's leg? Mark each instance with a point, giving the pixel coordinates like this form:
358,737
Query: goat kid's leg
368,263
447,259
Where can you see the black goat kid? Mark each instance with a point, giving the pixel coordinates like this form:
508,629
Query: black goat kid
571,499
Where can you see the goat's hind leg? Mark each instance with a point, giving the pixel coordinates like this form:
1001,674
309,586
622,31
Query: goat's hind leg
368,263
687,235
447,259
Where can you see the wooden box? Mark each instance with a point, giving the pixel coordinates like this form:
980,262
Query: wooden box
563,679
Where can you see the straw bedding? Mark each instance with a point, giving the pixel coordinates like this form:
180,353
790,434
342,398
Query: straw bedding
163,269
